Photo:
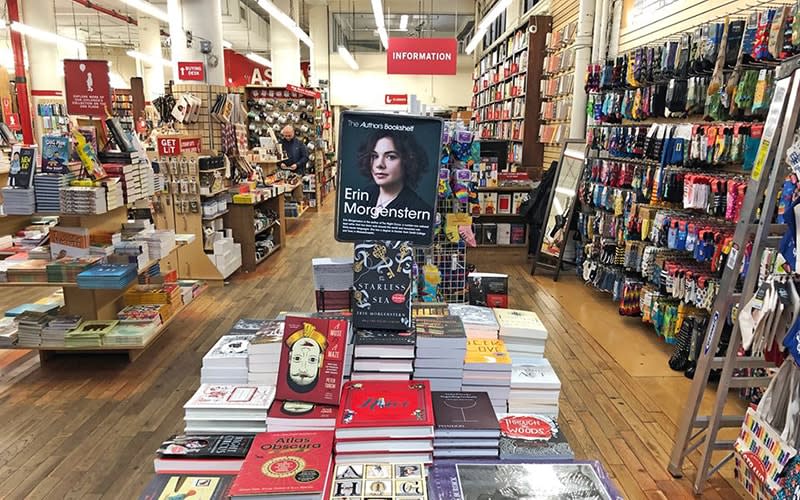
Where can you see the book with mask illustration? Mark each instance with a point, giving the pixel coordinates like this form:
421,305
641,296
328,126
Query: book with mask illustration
382,285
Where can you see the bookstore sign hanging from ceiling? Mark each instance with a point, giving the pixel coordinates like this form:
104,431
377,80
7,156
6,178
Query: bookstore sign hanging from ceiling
422,56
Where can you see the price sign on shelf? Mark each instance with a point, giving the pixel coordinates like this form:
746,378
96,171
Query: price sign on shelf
191,71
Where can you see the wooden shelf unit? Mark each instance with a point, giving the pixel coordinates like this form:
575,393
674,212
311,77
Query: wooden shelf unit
240,219
506,71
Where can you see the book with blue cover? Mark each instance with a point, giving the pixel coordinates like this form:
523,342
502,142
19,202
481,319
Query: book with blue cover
55,154
108,276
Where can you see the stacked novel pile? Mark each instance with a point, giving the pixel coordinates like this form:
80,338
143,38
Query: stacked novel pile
115,195
83,200
523,333
479,322
487,368
29,328
41,252
131,252
128,176
108,276
48,187
333,278
223,454
228,409
226,362
288,416
159,243
147,179
18,201
56,330
130,334
89,333
263,354
465,425
28,271
142,314
66,269
535,388
8,332
385,421
383,355
441,346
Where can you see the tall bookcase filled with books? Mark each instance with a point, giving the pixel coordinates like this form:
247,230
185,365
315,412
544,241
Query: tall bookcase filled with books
506,99
557,90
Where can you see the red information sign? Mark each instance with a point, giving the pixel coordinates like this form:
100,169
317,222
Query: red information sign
303,91
175,145
88,88
191,71
422,56
6,105
396,99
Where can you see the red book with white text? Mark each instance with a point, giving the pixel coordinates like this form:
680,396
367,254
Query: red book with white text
385,409
312,360
292,465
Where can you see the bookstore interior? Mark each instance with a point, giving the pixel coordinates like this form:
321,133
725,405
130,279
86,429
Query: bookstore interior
340,250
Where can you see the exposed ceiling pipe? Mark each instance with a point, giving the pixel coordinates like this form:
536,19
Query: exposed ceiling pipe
111,12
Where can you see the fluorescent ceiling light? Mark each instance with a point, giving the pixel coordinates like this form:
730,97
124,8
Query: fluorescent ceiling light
377,11
49,37
404,22
476,38
140,56
347,57
226,44
259,59
493,13
148,8
278,15
384,37
116,80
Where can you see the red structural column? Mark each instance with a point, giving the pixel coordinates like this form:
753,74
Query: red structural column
23,102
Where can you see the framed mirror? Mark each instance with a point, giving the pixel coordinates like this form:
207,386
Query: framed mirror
561,206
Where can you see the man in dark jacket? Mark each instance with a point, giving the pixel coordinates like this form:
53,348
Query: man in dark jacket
296,152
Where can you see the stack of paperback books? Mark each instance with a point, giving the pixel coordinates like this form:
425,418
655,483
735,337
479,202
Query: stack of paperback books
89,333
159,243
385,421
333,279
532,437
54,333
288,416
8,332
228,409
263,354
130,334
441,347
535,388
29,328
28,271
18,201
108,276
142,313
479,322
487,368
66,269
202,454
47,187
383,355
83,200
226,362
465,425
115,195
129,178
523,333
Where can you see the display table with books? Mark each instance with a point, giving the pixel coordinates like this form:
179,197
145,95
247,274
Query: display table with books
311,406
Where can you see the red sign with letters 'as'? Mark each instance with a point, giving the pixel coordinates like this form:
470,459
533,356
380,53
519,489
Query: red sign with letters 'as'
422,56
396,99
191,71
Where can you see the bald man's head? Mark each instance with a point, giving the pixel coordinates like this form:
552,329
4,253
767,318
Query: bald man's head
288,132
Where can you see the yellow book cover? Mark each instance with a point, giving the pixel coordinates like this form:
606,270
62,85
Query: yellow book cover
483,351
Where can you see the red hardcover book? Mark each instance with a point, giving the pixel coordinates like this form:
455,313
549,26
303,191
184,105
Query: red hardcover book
386,408
285,465
312,360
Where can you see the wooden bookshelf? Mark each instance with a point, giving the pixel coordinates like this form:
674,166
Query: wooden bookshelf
240,219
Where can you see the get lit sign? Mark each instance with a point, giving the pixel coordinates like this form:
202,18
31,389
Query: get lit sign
422,56
191,71
176,145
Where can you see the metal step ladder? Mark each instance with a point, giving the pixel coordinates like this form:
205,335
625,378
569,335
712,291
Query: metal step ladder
701,431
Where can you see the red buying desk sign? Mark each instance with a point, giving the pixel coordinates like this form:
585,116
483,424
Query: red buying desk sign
191,71
422,56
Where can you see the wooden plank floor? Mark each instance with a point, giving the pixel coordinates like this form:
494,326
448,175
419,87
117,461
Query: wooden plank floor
85,427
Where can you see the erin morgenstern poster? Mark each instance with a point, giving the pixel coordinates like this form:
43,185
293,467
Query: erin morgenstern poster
388,175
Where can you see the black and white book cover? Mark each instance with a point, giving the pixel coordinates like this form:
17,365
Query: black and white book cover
229,346
374,337
382,285
474,315
248,325
199,446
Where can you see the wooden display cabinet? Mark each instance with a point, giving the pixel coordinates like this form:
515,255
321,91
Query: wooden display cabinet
240,219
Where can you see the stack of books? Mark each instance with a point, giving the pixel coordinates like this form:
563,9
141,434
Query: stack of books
385,421
67,269
89,333
228,409
83,200
131,252
383,355
226,362
29,328
465,425
130,334
535,388
199,454
18,201
532,437
487,368
263,354
159,243
128,176
28,271
115,195
56,330
147,179
8,332
288,416
47,187
333,279
142,314
441,347
108,276
523,333
479,322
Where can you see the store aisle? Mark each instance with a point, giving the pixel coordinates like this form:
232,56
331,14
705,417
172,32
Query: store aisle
87,426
